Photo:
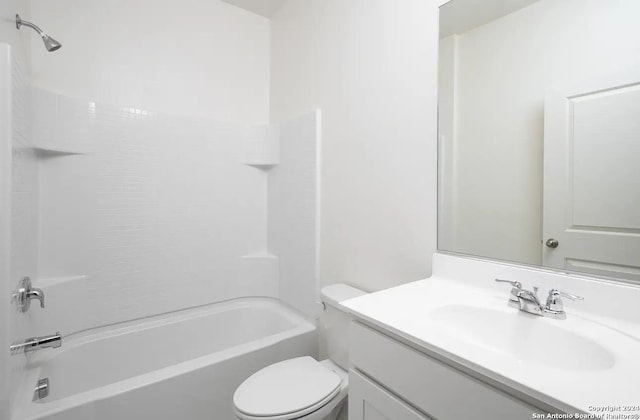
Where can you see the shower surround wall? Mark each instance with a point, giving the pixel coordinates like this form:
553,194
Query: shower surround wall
148,180
7,322
144,123
143,213
14,61
19,194
24,202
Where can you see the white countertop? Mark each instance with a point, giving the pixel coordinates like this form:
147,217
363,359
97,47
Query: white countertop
600,366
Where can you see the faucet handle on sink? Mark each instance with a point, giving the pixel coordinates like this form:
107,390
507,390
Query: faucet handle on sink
554,303
517,287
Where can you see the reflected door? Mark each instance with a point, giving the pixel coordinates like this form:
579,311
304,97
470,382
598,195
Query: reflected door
592,178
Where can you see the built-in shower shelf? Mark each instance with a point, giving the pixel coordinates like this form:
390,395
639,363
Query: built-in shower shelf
263,166
261,146
47,151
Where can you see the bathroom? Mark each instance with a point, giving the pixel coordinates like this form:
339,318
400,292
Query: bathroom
298,209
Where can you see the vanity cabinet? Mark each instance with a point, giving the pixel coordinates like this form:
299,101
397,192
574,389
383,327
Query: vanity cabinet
370,401
388,376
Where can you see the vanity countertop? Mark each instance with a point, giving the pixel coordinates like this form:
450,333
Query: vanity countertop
583,363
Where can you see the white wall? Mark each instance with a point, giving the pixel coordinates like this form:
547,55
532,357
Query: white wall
143,213
370,65
14,61
19,40
193,57
293,220
5,221
500,104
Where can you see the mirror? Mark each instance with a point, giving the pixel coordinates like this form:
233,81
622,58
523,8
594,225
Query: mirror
539,133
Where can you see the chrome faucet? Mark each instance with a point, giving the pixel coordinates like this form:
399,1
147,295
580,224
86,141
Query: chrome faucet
36,343
25,293
528,301
517,287
554,307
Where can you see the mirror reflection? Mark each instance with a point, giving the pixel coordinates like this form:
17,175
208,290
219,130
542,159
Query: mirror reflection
539,133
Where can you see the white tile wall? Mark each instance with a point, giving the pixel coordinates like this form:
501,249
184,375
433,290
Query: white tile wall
143,213
261,145
23,208
293,192
5,242
121,213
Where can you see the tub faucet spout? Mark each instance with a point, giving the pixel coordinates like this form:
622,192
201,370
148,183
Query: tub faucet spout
36,343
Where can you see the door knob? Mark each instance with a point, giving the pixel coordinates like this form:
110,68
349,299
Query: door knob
552,243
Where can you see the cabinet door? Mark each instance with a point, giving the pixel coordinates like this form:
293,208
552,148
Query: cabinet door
368,401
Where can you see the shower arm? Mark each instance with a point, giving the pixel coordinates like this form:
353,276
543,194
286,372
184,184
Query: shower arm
49,43
20,22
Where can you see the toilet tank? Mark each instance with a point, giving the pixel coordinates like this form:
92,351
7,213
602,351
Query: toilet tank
334,323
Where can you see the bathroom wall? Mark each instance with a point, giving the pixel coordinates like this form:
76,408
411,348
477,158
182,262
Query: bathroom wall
194,57
500,98
370,66
14,192
19,40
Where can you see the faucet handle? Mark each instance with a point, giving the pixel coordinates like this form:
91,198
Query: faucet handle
554,303
515,284
517,287
556,292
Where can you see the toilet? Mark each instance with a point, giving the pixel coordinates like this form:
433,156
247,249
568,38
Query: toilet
302,387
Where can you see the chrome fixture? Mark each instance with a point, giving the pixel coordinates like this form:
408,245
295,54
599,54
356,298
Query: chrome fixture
24,293
554,303
42,389
36,343
528,301
49,43
552,243
517,287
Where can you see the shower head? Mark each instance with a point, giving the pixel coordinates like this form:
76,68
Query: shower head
49,43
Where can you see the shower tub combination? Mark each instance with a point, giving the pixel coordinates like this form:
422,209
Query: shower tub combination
184,365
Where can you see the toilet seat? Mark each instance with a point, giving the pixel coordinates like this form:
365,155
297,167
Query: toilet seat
286,390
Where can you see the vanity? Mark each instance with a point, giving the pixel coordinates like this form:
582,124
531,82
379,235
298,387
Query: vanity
453,347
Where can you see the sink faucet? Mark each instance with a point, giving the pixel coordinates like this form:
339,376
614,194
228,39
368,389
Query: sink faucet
36,343
528,301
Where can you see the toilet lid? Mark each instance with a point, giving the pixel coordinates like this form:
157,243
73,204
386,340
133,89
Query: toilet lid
287,387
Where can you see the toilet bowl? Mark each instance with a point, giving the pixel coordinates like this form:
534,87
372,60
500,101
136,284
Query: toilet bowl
302,387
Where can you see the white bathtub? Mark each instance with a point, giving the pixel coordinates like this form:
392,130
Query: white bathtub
179,366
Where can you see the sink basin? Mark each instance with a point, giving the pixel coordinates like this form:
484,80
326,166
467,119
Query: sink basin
529,338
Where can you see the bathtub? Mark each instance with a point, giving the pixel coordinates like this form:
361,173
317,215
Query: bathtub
185,365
